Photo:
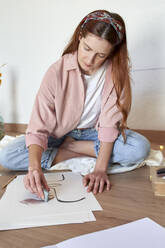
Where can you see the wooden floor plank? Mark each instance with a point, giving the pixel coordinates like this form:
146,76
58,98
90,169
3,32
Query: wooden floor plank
130,198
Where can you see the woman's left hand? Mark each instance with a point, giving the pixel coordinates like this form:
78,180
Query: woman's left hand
96,181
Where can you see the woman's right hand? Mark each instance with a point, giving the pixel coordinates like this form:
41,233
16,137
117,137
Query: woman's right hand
35,181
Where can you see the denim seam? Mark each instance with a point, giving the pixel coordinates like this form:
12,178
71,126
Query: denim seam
50,157
97,147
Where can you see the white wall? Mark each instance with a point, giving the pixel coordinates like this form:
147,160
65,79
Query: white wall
33,34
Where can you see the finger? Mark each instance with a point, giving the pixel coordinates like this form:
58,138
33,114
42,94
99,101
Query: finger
26,182
91,184
44,182
108,184
86,180
101,188
32,183
96,186
39,186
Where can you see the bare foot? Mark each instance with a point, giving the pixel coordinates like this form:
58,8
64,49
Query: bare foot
72,148
67,143
79,146
63,155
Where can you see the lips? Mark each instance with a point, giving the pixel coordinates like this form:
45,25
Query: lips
88,65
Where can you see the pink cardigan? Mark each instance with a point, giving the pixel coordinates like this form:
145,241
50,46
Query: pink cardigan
60,100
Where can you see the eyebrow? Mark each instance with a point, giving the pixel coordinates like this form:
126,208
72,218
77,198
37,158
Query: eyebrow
92,49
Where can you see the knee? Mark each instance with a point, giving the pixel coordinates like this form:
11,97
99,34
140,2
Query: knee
10,155
5,158
141,148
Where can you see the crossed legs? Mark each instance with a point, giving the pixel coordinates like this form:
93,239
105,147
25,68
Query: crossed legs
71,148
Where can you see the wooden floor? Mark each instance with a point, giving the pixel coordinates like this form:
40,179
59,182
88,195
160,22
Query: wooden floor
130,198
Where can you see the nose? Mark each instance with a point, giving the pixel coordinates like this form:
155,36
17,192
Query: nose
90,59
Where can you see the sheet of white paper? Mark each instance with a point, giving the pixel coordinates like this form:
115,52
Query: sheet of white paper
92,202
80,217
140,233
40,213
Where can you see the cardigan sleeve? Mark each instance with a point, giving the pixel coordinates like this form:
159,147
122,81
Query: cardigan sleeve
109,119
43,117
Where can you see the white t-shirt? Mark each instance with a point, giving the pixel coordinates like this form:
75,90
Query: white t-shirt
92,106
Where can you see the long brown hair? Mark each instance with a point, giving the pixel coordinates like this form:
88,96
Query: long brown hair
118,56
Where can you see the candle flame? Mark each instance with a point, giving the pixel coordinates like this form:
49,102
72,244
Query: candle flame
161,147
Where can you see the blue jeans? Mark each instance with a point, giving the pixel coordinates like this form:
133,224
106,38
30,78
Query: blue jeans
15,155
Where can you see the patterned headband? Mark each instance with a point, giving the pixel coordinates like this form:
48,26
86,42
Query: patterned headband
104,17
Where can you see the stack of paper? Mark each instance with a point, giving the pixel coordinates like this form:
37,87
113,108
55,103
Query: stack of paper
143,233
25,210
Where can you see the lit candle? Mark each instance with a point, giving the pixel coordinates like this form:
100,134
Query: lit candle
1,74
0,78
161,147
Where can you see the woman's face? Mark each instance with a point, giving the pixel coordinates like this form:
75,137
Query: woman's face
92,52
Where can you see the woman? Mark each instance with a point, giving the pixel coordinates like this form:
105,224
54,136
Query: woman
81,108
